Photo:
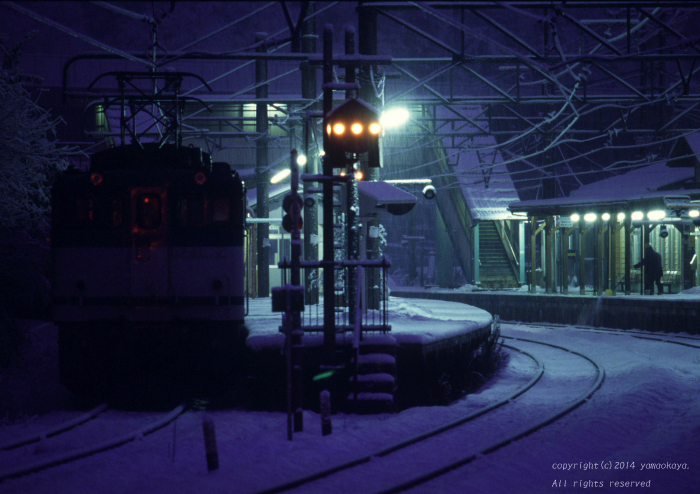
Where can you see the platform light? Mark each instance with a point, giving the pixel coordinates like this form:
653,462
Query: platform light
693,213
621,216
589,217
606,216
637,215
657,214
281,175
359,175
575,217
394,117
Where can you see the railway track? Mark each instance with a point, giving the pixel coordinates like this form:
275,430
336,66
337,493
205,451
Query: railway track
392,461
16,456
673,338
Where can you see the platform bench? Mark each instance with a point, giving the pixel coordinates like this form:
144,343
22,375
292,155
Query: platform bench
669,279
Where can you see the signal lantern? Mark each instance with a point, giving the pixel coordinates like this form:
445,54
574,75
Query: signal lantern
362,121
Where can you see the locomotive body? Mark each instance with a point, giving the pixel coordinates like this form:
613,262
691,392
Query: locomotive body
148,273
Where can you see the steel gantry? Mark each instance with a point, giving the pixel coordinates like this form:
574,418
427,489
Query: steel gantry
567,93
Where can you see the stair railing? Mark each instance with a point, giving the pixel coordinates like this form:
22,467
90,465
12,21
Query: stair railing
504,233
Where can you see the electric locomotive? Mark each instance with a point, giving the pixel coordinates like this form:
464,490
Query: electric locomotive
148,273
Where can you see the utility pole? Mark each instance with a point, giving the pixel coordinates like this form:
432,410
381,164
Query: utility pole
261,172
308,91
352,195
328,216
368,46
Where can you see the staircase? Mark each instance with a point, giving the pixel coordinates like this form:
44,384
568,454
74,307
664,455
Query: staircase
495,269
373,375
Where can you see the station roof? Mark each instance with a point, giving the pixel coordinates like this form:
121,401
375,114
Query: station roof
642,188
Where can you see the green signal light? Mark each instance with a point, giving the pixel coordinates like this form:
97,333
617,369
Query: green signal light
323,375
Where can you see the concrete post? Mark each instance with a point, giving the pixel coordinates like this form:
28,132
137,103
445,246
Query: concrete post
309,91
262,174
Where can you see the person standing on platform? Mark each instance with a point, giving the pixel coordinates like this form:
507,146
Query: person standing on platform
653,270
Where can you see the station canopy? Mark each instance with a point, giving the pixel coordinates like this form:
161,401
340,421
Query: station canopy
640,189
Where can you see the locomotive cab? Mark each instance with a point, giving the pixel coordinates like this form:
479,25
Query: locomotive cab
148,274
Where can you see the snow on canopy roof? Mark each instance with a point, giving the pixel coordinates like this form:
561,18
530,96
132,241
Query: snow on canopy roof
650,183
487,196
384,193
275,192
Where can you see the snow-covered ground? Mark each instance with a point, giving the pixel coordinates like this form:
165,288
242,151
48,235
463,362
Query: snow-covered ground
646,412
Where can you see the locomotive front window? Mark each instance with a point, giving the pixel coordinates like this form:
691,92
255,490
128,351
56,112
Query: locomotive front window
200,212
221,209
96,213
193,212
149,211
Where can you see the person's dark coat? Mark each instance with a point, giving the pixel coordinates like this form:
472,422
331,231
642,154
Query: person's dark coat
653,268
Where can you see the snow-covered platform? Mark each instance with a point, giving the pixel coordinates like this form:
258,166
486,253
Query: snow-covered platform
669,312
427,351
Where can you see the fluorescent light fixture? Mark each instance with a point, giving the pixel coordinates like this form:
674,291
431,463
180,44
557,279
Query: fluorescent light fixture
656,215
606,216
301,160
394,117
621,216
693,213
589,217
637,215
279,176
575,217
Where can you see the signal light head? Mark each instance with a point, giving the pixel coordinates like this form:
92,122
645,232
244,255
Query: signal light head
200,178
339,129
375,128
356,128
96,178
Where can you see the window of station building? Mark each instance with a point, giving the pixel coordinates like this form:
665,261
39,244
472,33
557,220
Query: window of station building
149,213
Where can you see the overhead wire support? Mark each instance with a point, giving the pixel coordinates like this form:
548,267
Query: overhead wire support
128,13
82,37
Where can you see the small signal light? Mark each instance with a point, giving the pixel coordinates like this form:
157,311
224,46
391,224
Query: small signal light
96,178
200,178
339,129
375,128
359,175
356,128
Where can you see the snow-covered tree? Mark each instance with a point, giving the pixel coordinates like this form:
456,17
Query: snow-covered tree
29,159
